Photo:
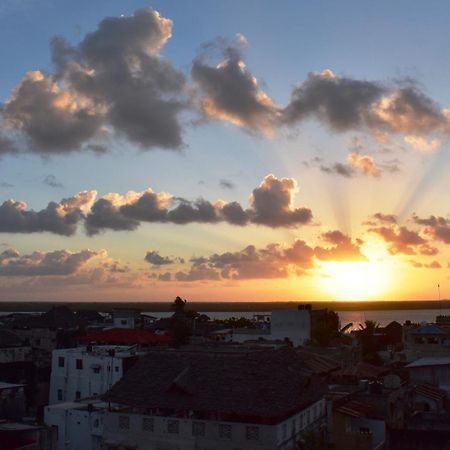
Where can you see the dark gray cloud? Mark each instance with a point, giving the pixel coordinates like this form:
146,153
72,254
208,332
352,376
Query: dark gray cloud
153,257
5,184
229,92
59,262
226,184
59,218
400,239
52,181
438,228
114,77
272,204
380,218
346,104
344,170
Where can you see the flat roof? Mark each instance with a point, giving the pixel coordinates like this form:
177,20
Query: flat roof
431,361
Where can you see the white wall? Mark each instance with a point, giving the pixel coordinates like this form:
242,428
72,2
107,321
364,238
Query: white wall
78,429
292,324
99,373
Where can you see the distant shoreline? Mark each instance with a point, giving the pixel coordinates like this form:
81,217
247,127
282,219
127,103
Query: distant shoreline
208,306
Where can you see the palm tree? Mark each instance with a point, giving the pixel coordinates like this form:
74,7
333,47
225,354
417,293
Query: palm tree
367,341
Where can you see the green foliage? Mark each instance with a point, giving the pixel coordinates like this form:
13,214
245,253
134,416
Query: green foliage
325,328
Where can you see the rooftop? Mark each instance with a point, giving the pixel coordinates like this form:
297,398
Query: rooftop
263,385
126,336
430,361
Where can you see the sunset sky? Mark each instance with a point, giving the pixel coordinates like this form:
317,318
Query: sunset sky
217,150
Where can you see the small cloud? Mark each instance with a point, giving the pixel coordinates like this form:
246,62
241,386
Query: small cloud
422,144
52,181
227,184
4,184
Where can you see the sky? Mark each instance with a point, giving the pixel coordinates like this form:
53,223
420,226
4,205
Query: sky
252,150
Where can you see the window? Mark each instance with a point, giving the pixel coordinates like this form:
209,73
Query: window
252,433
60,395
284,431
78,395
96,423
60,361
224,431
123,322
173,426
300,422
96,369
124,422
147,424
116,368
198,428
79,364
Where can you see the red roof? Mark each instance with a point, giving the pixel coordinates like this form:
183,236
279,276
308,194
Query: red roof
126,336
11,441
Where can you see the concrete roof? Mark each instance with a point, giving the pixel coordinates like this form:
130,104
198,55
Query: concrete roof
431,361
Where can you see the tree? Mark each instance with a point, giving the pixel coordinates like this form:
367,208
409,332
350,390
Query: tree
368,342
182,321
178,305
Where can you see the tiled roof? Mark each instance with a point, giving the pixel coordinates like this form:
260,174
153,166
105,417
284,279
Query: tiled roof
430,361
355,408
125,336
319,364
9,339
430,391
363,371
262,385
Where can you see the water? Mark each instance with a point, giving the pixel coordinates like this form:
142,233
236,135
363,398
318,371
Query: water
382,317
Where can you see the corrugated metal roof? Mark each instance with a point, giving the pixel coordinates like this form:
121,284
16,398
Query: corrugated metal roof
126,336
354,408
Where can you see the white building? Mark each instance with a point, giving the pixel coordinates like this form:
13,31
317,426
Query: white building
77,425
126,318
87,371
293,325
203,401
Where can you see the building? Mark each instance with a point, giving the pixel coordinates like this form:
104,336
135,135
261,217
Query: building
77,425
23,436
293,325
206,400
12,401
87,371
356,427
425,340
432,370
127,336
126,318
15,357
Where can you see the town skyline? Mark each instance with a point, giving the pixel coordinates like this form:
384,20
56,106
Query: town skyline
252,153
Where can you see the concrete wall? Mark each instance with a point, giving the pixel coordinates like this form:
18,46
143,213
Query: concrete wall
77,428
437,375
15,354
294,325
99,373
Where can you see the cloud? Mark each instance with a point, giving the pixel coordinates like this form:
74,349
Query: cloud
342,249
422,144
380,218
52,181
229,92
113,79
364,164
5,184
438,228
60,218
346,104
432,265
226,184
361,164
272,261
400,239
59,262
344,170
153,257
272,204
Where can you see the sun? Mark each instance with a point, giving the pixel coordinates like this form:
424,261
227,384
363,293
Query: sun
368,280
